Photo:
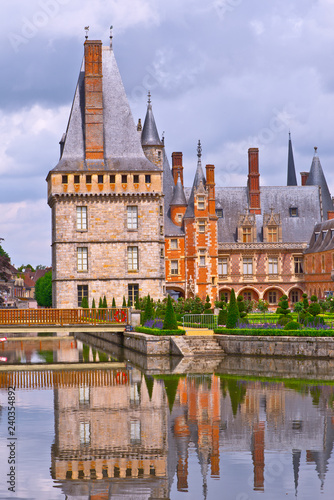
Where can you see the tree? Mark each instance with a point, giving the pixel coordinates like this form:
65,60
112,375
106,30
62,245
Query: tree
124,302
283,306
170,322
93,304
24,267
43,290
3,253
5,274
104,303
149,311
232,312
100,303
84,303
241,306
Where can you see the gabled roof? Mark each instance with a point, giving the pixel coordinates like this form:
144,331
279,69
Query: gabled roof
122,147
322,237
317,178
150,136
292,179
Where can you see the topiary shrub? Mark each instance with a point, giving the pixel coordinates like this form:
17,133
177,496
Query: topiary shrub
149,311
222,316
232,312
241,306
84,303
293,325
170,322
284,320
283,306
207,306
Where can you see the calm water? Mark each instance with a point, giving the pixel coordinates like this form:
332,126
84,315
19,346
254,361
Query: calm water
114,431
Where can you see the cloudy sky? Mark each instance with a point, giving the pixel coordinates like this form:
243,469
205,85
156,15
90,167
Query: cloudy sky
233,73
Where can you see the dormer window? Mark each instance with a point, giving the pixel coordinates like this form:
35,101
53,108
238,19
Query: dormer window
246,234
323,234
219,212
332,233
272,234
316,236
200,202
293,211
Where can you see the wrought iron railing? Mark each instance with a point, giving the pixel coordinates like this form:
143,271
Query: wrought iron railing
200,321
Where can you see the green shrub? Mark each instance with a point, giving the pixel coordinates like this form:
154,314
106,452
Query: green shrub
84,303
232,312
93,304
158,332
314,308
170,321
284,320
293,325
222,316
314,320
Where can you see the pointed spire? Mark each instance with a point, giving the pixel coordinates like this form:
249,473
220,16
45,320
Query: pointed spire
292,179
317,178
150,136
199,177
179,196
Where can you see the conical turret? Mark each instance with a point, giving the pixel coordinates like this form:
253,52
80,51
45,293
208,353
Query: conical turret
292,179
150,136
317,178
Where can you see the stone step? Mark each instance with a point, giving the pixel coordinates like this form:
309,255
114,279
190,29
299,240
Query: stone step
195,346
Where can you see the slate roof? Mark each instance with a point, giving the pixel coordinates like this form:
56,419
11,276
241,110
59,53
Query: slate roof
178,195
122,146
291,177
150,136
199,176
171,229
317,178
294,229
322,237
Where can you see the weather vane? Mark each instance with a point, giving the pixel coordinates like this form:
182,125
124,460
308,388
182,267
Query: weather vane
86,30
199,150
110,36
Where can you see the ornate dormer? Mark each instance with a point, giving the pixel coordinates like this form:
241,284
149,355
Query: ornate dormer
272,227
246,227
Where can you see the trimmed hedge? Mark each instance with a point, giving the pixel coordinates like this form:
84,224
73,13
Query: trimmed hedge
158,332
306,332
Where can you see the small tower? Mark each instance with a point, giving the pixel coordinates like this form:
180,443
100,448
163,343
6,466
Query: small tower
317,177
291,178
201,234
150,141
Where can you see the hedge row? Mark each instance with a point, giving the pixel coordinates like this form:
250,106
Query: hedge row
275,333
158,332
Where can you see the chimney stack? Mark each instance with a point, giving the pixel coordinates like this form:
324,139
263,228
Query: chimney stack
177,167
93,101
210,184
304,177
254,181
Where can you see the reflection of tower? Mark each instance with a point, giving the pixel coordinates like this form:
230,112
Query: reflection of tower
110,436
258,455
200,398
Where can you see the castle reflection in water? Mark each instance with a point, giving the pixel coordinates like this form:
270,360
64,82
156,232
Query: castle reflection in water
120,432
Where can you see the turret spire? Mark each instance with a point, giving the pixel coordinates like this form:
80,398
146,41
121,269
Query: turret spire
150,136
291,178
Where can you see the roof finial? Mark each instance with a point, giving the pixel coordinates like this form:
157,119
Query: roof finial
86,28
289,135
199,150
149,97
163,137
110,36
315,150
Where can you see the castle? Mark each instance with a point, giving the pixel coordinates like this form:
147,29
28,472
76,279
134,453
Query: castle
124,224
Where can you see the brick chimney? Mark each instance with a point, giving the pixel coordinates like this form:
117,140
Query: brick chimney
177,167
304,177
254,181
210,184
93,101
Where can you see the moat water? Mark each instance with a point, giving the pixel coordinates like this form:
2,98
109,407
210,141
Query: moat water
121,426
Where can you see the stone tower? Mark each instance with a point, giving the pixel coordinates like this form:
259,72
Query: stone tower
106,196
